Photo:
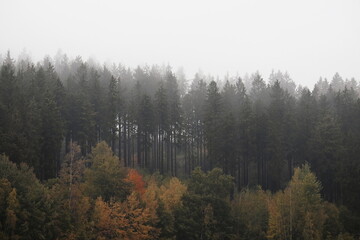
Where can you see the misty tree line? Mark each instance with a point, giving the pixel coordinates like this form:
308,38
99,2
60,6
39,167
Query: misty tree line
154,119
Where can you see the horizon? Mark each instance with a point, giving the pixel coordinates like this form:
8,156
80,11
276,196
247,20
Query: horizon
94,62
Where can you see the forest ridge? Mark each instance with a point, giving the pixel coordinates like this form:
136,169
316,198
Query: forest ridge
89,127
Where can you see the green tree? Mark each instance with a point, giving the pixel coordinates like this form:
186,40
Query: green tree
306,119
26,205
326,151
193,124
72,207
245,134
280,136
146,127
250,212
212,125
105,177
260,98
228,148
205,212
112,117
175,113
162,124
12,141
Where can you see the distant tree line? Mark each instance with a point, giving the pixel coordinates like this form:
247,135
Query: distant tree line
154,119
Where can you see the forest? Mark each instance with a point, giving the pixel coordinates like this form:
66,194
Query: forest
90,151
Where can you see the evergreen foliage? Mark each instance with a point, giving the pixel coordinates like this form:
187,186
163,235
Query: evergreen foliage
146,118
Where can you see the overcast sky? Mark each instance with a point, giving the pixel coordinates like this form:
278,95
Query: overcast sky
307,38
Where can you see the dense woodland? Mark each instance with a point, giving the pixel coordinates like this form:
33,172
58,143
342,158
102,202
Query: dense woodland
257,159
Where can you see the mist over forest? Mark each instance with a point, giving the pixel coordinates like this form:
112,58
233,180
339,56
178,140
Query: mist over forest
91,151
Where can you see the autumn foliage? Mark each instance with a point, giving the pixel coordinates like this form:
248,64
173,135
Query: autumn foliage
126,220
82,203
136,180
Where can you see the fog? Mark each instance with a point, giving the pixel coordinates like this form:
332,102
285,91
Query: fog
308,39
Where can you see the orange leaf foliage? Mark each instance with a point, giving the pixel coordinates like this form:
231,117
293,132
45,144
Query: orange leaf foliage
136,179
127,220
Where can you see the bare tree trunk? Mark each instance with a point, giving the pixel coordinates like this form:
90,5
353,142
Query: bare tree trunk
175,159
125,145
192,155
133,152
185,155
167,153
162,152
239,173
119,143
129,145
171,152
138,147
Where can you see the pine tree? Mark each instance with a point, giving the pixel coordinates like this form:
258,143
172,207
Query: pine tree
194,107
146,126
10,137
112,118
174,119
246,138
280,138
212,124
205,214
306,118
259,98
326,151
162,122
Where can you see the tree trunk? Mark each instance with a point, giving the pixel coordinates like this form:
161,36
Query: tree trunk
175,158
125,145
119,143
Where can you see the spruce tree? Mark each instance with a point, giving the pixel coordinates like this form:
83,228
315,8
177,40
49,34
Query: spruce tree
212,124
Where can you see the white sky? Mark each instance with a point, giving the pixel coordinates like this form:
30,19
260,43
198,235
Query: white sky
307,38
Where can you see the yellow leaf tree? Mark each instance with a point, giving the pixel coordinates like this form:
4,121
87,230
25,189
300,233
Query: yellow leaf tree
298,212
128,220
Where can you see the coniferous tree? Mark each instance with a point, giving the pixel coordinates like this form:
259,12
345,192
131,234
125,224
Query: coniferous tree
306,118
174,120
212,125
194,107
112,116
229,136
258,135
162,122
326,150
276,137
204,213
246,134
146,126
259,97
